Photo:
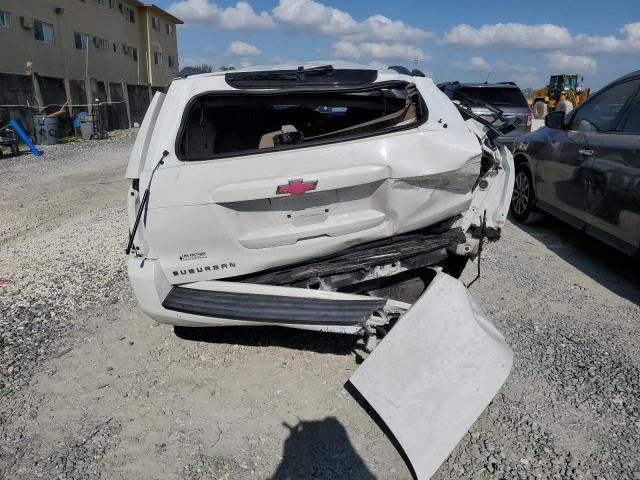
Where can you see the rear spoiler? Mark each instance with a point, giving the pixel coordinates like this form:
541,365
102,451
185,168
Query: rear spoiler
324,76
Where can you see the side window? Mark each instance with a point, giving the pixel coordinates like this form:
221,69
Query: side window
43,32
632,122
602,114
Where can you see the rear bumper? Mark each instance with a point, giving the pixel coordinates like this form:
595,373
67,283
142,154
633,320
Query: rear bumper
220,303
271,308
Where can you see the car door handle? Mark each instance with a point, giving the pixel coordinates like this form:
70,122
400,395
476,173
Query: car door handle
585,152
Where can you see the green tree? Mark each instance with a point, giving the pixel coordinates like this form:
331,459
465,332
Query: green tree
205,67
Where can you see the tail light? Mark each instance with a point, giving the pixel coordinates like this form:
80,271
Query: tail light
529,119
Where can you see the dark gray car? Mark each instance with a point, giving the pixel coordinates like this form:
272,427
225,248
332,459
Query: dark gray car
584,168
506,96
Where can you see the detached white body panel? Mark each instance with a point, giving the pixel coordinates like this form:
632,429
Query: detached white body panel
452,363
282,197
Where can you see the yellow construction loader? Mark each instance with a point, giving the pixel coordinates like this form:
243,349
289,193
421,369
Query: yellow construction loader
564,92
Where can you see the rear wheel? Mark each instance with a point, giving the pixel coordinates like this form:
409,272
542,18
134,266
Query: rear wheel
523,197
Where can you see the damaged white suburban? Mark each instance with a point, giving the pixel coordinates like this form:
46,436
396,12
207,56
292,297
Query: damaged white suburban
335,198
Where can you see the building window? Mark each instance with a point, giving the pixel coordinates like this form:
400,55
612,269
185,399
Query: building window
5,19
128,13
112,3
170,61
115,47
130,52
155,23
43,32
100,2
169,29
157,58
101,43
82,41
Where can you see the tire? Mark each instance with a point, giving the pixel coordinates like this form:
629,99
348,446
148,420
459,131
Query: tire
523,197
540,109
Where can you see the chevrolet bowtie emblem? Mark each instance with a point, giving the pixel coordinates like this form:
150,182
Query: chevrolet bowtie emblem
296,187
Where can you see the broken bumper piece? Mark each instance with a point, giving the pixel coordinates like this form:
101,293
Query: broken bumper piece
222,303
434,373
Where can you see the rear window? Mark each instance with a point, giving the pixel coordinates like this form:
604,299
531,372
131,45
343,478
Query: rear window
222,124
500,97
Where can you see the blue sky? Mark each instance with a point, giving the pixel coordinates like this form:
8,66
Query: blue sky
459,40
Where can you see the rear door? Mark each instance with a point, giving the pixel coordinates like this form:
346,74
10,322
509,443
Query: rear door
612,180
559,173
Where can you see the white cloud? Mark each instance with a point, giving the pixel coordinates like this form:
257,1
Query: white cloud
243,49
378,50
194,61
500,70
540,36
474,64
562,62
630,41
317,18
242,16
378,65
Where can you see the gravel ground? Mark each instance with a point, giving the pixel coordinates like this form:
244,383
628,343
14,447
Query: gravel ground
91,388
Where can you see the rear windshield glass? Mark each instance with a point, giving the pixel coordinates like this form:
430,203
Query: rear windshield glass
226,124
500,97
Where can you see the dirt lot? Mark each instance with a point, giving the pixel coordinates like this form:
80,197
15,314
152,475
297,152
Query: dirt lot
91,388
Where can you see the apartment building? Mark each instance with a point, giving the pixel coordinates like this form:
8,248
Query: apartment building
107,40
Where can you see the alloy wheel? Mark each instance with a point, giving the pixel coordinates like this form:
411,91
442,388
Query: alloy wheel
521,193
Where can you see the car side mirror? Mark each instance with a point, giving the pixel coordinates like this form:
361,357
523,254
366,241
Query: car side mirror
554,120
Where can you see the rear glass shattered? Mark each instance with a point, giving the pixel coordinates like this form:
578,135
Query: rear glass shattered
220,124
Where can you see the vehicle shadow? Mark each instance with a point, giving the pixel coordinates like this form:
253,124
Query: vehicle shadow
611,268
322,450
272,336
